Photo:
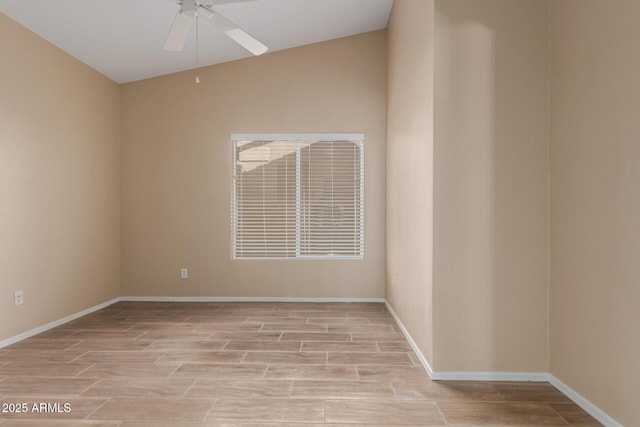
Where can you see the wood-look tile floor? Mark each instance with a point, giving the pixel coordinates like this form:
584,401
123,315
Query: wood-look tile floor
250,364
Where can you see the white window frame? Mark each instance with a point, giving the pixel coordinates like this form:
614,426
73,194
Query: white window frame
306,137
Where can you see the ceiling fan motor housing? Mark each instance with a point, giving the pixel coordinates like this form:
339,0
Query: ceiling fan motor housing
189,8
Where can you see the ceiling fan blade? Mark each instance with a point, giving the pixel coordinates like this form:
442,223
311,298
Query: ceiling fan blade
178,33
240,36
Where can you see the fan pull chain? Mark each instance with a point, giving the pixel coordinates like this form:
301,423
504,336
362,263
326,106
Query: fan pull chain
197,47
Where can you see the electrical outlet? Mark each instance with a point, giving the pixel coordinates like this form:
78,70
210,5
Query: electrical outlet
184,273
18,298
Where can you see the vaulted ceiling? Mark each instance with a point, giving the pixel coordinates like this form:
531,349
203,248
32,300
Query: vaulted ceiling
124,39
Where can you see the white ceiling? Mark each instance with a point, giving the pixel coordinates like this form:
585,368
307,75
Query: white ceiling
123,39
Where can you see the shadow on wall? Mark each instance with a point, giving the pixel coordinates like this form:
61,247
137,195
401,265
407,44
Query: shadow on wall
490,196
465,166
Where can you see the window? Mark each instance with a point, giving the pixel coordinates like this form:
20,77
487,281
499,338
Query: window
298,196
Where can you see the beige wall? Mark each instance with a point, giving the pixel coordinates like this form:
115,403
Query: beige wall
490,197
595,209
177,168
59,183
467,208
410,168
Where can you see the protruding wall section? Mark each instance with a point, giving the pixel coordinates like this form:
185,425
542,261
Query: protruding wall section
467,177
491,228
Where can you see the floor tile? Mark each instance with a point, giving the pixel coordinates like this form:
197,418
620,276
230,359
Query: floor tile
173,335
131,370
575,415
256,309
263,346
44,386
35,344
394,346
366,328
322,425
383,412
43,369
202,357
106,335
382,321
530,392
111,345
446,391
229,327
300,306
277,410
312,372
55,333
179,424
166,345
51,356
216,318
288,357
59,423
110,323
392,373
159,318
119,357
139,387
316,314
215,370
275,319
166,327
316,336
368,359
163,409
501,414
340,346
341,389
241,389
245,335
336,321
414,358
390,336
355,308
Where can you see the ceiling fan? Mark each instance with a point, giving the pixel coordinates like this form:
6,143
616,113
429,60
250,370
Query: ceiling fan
191,9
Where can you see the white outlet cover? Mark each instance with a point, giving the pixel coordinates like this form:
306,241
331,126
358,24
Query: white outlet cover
18,298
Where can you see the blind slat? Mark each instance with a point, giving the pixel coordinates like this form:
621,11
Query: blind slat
298,199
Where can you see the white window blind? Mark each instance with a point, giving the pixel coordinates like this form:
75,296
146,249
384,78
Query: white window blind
298,196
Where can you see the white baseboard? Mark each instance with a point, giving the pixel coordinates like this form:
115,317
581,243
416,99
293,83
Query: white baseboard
55,323
539,377
412,343
246,299
588,407
464,376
